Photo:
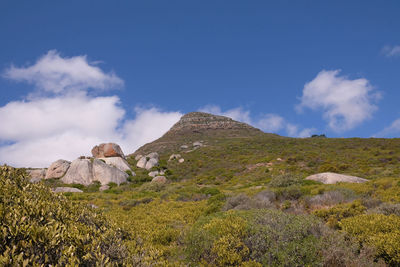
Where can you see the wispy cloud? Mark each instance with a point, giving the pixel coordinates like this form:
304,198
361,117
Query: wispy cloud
345,103
391,50
390,131
55,74
269,122
69,122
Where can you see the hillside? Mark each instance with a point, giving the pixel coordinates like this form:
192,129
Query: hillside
240,198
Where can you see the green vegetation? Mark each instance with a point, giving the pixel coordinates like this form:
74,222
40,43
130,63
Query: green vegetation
239,200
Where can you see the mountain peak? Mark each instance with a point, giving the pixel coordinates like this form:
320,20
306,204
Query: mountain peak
198,122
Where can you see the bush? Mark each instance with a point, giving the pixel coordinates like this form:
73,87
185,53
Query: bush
285,180
38,227
377,230
264,199
269,238
387,209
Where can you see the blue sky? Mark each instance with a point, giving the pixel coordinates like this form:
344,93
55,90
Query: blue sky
291,67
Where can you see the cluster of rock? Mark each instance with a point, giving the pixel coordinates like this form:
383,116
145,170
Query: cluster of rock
108,165
147,162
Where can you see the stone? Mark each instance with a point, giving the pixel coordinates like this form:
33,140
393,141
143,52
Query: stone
105,173
197,143
181,160
141,163
104,187
57,169
107,150
184,146
137,157
152,155
159,179
79,172
175,156
118,163
333,178
36,174
153,173
152,162
67,189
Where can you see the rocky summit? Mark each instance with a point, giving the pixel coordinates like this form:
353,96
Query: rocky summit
197,122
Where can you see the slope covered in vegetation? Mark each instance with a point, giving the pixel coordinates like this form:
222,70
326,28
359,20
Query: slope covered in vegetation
240,199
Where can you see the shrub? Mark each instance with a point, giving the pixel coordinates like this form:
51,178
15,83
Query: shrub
285,180
269,238
38,227
378,230
292,192
264,199
387,209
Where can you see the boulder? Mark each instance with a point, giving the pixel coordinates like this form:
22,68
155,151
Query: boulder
159,179
148,161
57,169
197,144
105,173
36,174
152,162
107,150
67,189
141,163
181,160
118,163
156,173
79,172
137,157
333,178
174,156
184,146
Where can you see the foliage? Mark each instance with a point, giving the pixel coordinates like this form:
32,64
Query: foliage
378,230
39,227
269,238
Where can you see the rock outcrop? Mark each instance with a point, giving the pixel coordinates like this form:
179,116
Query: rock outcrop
149,161
67,189
107,150
57,169
105,173
333,178
118,163
200,121
80,172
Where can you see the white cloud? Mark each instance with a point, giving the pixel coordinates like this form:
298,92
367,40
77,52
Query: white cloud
391,50
392,130
270,122
68,124
345,103
55,74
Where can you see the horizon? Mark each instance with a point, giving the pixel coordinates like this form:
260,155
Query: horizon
74,75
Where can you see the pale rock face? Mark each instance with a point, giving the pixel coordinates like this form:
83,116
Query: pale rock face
107,150
138,157
107,174
57,169
159,179
151,163
333,178
118,163
141,163
67,189
79,172
36,174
